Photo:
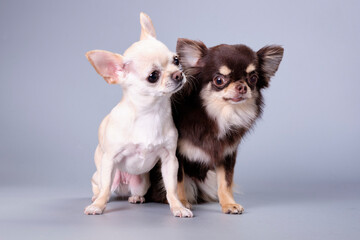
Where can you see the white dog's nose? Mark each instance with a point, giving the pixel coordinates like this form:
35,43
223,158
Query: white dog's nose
177,76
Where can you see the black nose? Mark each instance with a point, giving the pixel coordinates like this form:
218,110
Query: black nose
242,89
177,76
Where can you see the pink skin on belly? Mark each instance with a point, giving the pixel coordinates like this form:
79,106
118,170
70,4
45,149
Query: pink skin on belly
124,178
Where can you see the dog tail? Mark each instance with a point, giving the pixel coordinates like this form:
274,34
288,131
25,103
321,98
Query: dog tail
198,191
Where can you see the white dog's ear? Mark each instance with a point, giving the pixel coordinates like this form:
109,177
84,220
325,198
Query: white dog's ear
107,64
147,28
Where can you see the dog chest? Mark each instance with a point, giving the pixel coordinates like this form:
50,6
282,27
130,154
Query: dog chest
139,140
139,158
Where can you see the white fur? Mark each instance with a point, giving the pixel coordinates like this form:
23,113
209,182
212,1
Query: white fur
227,113
193,153
139,130
231,149
207,188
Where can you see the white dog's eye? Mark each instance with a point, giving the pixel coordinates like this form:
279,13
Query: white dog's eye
176,61
154,76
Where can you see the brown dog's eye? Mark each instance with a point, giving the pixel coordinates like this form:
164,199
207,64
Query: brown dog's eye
219,81
176,61
253,79
154,76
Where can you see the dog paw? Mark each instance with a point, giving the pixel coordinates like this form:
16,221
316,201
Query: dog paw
232,208
93,210
181,212
186,204
136,199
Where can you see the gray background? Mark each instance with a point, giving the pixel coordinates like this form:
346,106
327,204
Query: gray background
298,171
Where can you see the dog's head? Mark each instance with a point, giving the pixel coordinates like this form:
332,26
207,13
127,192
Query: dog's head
230,74
147,67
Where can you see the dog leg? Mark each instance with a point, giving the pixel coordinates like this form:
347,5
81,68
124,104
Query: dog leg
169,170
106,177
139,184
95,179
181,188
95,186
224,175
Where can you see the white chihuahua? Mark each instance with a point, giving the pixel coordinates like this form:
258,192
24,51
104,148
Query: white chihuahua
139,130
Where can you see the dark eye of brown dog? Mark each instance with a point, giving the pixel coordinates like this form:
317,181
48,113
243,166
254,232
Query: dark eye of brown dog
176,61
154,76
219,81
253,79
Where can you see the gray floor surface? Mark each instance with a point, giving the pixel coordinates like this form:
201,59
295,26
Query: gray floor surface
316,212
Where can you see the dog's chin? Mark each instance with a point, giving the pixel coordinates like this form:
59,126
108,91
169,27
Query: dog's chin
175,89
178,87
236,100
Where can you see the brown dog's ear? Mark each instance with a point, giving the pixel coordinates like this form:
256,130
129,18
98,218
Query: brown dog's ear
147,28
269,59
190,52
107,64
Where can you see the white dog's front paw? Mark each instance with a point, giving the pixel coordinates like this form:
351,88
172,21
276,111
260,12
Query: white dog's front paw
93,210
94,197
136,199
181,212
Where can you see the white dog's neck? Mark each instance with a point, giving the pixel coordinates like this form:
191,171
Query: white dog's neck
146,103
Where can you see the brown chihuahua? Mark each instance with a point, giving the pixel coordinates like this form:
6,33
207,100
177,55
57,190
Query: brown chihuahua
215,109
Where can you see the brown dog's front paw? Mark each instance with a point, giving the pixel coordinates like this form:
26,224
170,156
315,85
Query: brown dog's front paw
136,199
232,208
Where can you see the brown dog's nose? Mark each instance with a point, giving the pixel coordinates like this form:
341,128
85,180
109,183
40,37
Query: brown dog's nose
177,76
242,89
